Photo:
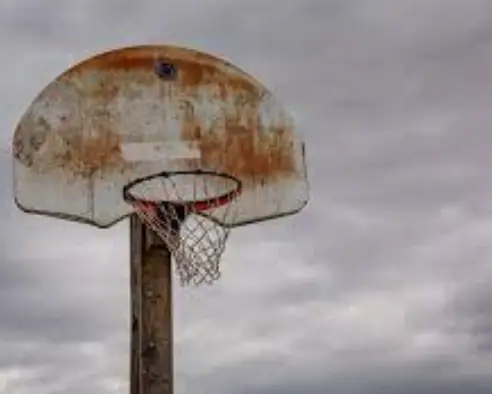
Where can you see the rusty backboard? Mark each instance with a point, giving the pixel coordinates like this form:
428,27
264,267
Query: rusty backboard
135,111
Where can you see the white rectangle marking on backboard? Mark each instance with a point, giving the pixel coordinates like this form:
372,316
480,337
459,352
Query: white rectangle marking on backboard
157,151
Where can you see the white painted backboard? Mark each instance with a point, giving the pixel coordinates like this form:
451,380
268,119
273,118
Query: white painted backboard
113,118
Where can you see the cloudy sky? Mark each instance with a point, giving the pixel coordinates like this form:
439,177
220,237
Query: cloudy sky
380,286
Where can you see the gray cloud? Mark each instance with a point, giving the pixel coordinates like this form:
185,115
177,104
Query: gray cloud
379,286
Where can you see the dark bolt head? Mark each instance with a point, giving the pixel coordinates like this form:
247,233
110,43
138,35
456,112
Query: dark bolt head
166,70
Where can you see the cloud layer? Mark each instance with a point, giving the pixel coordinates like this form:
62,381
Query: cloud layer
381,285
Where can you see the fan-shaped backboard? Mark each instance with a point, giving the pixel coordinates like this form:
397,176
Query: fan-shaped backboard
135,111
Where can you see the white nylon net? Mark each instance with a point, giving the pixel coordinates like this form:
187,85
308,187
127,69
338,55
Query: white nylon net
195,241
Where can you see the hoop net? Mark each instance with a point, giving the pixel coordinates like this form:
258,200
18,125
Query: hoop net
175,206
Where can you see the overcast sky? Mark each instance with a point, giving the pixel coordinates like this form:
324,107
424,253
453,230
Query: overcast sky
380,286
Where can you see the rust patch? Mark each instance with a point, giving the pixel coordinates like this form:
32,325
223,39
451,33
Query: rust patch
75,154
106,88
194,68
84,155
29,136
253,154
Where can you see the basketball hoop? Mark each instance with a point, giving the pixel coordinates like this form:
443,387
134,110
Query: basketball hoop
175,206
91,146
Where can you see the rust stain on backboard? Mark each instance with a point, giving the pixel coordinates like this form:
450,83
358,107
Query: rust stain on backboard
193,68
250,156
76,154
87,154
251,153
26,142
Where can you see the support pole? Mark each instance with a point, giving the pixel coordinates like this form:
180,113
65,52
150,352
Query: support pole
151,302
136,242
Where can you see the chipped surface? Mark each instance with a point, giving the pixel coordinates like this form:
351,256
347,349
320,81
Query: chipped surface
76,129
